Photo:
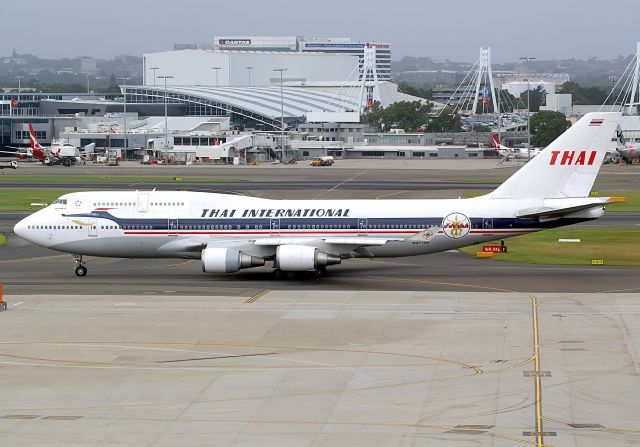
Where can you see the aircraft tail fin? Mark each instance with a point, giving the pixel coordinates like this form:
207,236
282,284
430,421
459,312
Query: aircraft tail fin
569,165
34,142
496,141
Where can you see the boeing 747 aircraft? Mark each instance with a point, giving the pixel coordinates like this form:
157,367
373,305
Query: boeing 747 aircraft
228,233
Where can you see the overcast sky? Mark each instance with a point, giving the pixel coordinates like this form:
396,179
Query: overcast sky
451,29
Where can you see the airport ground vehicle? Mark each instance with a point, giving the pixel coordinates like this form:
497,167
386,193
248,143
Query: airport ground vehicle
323,161
12,165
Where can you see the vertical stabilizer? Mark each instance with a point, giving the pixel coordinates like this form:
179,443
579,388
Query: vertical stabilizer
567,167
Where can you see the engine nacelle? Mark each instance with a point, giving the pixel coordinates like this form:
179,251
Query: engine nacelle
227,260
301,258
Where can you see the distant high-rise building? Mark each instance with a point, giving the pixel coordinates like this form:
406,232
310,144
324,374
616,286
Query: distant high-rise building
88,65
344,45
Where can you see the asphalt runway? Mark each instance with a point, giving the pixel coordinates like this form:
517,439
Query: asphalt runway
441,349
27,269
350,174
258,186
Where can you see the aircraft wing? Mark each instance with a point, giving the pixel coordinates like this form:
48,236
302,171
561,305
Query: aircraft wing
265,245
361,241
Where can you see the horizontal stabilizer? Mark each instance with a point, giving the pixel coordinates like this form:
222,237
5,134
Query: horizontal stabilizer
557,212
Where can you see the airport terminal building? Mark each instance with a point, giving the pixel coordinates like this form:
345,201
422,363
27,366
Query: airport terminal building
250,61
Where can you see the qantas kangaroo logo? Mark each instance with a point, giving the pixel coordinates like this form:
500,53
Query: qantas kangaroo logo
573,158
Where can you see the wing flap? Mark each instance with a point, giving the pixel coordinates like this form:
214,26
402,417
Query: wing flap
353,241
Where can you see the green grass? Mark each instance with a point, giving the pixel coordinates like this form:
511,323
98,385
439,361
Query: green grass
616,246
20,199
631,203
63,179
3,239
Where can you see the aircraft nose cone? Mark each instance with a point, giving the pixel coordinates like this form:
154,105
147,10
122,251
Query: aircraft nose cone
21,229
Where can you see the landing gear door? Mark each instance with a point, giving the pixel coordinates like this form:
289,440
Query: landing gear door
143,202
172,227
362,226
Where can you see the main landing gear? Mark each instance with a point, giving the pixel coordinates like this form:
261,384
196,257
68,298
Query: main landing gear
317,273
81,270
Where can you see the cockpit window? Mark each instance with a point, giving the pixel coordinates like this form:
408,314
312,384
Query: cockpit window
60,202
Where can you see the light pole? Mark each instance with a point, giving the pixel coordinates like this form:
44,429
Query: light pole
19,78
216,69
526,59
154,73
281,70
166,128
249,70
126,143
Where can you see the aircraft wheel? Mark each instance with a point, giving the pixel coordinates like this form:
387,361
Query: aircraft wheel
277,273
320,273
291,275
81,270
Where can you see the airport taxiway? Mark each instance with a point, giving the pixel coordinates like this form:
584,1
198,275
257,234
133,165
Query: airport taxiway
311,368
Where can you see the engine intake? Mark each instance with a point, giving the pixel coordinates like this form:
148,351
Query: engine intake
301,258
227,260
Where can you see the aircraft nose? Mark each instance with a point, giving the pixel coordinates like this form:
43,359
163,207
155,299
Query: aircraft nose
20,228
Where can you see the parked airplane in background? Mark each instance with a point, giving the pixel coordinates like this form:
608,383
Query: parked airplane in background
228,233
508,153
629,152
57,154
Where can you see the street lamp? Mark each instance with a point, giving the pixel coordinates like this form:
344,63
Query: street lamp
124,80
249,70
154,73
19,78
281,70
526,59
166,128
216,69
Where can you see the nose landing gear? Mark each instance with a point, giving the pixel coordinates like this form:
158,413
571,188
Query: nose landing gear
81,270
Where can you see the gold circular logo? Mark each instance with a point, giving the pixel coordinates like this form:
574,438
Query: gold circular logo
456,225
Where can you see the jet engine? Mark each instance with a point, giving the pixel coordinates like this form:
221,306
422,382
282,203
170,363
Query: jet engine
227,260
300,258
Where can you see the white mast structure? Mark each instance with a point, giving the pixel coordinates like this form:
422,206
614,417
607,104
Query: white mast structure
634,85
369,77
467,94
485,74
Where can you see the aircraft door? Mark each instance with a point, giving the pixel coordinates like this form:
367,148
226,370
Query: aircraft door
487,223
362,226
92,228
172,227
143,202
275,226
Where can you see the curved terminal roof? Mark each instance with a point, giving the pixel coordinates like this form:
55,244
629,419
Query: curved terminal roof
260,103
